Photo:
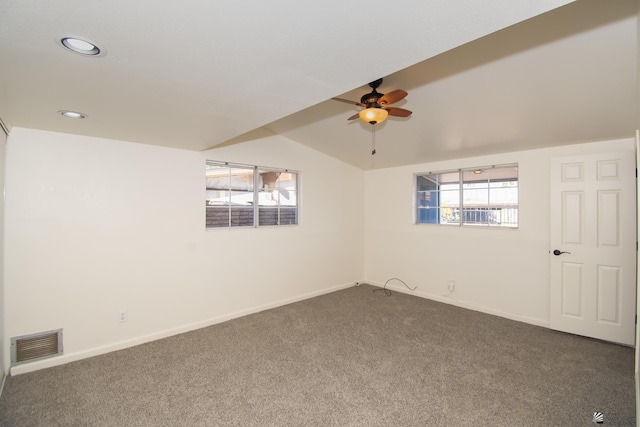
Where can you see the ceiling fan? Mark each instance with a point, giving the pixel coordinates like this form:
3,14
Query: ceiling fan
376,104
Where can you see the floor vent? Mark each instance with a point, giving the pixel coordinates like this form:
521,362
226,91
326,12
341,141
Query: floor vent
42,345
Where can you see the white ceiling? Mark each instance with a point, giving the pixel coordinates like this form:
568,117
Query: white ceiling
200,73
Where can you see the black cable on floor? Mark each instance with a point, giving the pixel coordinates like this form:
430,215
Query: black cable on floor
388,291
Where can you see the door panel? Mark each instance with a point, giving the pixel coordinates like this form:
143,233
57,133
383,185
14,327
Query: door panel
572,223
593,224
572,290
609,218
608,294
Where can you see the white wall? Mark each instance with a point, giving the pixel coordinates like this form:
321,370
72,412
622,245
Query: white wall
94,226
499,271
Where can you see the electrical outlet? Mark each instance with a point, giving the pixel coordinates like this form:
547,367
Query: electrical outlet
122,316
451,284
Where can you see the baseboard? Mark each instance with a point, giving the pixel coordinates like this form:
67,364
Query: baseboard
462,304
72,357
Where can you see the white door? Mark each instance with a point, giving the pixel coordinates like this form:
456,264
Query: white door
637,296
593,221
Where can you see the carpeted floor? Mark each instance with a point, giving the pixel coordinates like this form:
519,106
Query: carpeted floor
350,358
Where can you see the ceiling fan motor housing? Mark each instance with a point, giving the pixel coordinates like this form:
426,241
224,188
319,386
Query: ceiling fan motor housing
371,99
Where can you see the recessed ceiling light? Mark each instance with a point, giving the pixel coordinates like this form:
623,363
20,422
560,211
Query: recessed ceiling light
81,46
72,114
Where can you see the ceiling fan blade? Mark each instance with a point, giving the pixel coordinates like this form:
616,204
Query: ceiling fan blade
392,97
398,112
355,116
348,102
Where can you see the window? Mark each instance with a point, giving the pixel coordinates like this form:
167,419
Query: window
277,197
486,196
249,196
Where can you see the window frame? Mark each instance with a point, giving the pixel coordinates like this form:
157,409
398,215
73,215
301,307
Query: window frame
256,190
422,214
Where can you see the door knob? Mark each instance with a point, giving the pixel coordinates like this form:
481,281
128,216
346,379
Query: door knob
557,252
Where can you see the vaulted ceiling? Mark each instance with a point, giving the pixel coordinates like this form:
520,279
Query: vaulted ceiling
483,76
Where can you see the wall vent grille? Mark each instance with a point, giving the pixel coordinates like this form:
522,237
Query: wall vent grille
42,345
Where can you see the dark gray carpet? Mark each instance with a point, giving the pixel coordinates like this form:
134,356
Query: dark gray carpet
350,358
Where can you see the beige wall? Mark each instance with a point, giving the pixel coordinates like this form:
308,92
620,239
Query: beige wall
498,271
95,226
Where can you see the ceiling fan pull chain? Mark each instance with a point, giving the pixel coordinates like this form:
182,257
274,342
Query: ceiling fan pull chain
373,140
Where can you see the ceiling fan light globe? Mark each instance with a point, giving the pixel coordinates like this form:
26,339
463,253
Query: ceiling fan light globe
373,115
